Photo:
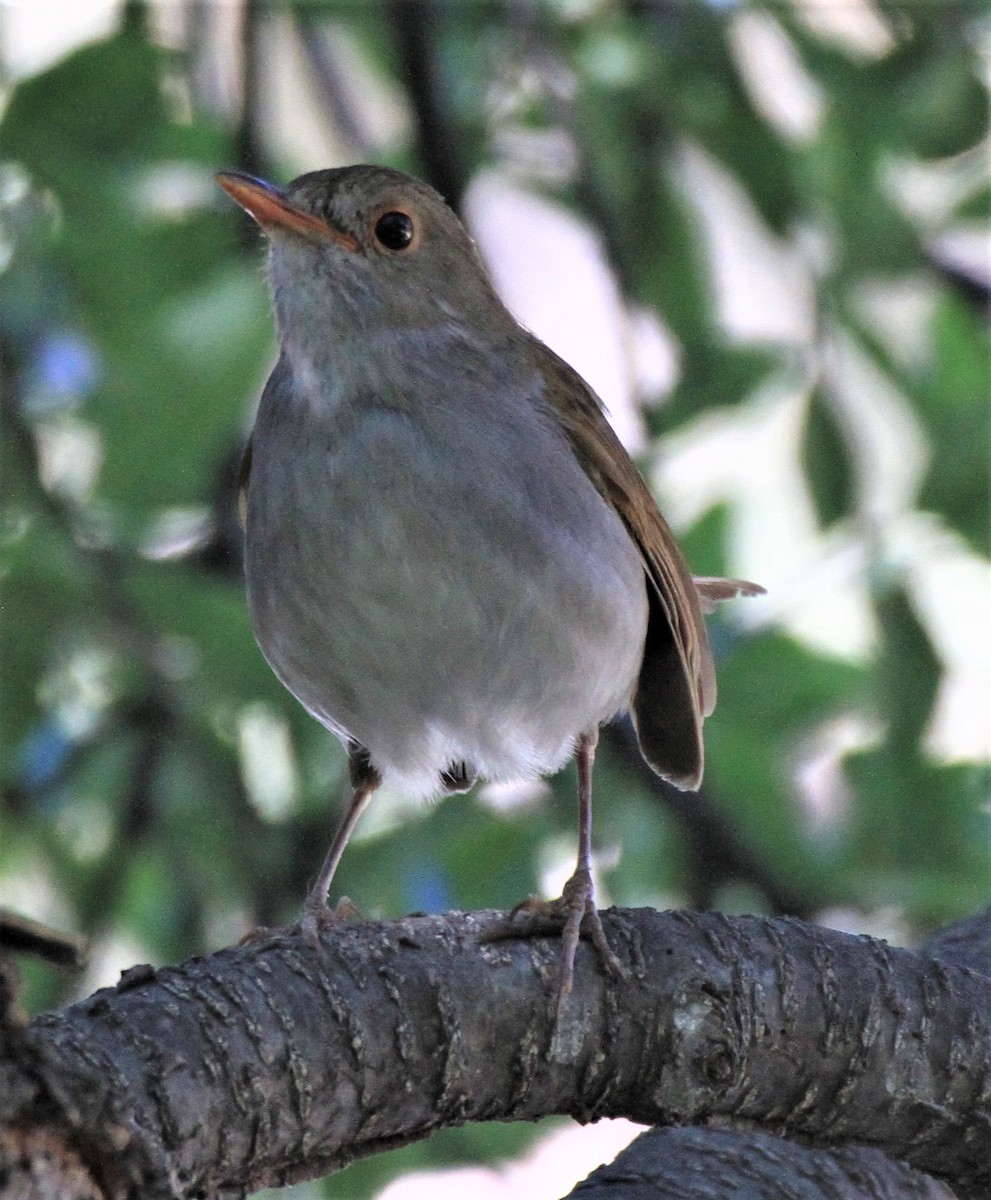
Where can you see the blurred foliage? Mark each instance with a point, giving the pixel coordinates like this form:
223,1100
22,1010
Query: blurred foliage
135,333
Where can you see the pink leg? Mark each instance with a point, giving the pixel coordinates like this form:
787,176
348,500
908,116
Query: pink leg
364,780
578,897
574,912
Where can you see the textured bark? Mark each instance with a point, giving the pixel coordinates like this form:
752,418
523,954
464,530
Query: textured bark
705,1164
966,943
279,1061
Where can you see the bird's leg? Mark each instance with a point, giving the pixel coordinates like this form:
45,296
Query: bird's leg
364,780
578,897
574,912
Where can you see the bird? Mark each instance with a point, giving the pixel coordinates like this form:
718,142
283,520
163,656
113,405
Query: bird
452,562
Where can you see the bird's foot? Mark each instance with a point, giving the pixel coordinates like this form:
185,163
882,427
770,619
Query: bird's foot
572,915
317,916
258,933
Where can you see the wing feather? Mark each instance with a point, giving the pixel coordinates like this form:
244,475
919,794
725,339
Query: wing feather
676,688
712,590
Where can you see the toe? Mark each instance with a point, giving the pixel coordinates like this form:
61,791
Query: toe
317,917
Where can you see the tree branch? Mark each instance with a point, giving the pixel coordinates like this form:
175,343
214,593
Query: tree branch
280,1061
414,25
333,93
965,943
707,1164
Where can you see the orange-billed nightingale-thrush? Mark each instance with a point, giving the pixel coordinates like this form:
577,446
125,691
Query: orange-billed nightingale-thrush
451,560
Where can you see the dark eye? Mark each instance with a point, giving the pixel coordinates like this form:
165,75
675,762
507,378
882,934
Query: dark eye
394,230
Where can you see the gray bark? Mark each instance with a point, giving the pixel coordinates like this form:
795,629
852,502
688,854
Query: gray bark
279,1061
707,1164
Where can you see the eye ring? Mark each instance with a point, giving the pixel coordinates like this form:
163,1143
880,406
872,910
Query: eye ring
395,230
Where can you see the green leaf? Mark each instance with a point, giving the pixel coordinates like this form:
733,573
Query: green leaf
182,333
845,172
976,207
938,101
177,386
710,104
714,375
953,403
68,125
908,672
909,814
827,463
705,545
923,97
773,693
47,599
919,833
211,618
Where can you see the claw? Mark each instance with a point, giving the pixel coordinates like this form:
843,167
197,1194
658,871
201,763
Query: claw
574,912
573,915
317,916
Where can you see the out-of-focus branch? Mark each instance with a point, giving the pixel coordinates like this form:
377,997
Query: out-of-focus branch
414,27
966,943
717,853
19,935
248,150
713,1164
326,73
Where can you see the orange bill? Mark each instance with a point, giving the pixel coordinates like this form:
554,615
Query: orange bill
272,209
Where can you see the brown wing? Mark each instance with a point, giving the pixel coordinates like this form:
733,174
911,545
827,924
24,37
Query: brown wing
676,689
712,589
